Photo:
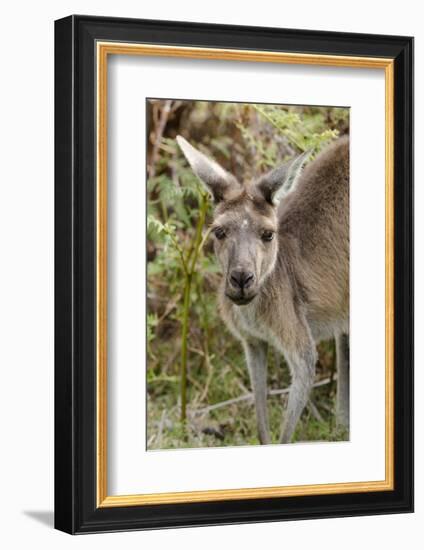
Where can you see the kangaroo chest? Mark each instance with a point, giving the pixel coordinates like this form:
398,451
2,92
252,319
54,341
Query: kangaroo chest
246,321
249,323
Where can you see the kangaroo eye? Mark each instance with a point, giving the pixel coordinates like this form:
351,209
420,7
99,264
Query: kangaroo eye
267,235
220,233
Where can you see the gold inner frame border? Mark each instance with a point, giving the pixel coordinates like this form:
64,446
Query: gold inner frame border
103,50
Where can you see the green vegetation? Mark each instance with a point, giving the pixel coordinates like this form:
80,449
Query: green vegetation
197,380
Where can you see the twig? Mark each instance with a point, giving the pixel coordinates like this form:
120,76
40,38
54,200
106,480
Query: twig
314,411
163,119
249,397
169,308
171,359
198,351
209,378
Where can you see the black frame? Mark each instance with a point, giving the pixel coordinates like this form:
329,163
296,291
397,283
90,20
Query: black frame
75,274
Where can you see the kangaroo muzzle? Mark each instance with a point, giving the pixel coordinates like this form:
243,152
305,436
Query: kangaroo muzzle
241,286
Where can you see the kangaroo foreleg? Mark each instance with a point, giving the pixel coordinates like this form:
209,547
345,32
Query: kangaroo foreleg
342,356
302,366
257,364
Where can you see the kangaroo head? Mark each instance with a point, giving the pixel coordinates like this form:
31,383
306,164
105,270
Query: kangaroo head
245,225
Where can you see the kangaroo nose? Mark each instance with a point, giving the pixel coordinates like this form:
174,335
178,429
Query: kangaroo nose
241,279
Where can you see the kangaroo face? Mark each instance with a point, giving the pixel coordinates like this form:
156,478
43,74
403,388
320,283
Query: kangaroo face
245,242
245,220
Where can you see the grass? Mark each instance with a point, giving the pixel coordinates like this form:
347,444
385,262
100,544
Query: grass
224,377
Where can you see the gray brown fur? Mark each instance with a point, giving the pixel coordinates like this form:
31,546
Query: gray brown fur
293,290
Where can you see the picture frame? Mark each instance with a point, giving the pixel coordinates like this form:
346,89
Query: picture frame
83,45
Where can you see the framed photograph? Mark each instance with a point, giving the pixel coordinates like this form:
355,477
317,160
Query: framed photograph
234,274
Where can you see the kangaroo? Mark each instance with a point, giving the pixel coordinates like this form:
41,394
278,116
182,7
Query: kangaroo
283,245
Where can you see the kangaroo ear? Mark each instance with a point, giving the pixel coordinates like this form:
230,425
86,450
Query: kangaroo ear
282,180
218,181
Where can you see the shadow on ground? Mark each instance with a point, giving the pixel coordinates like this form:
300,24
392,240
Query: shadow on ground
46,517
